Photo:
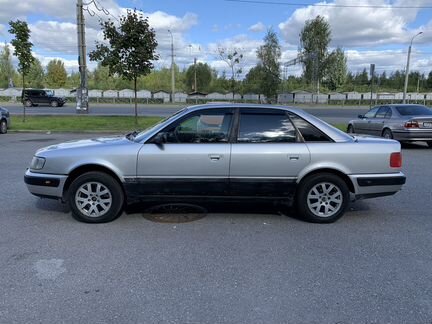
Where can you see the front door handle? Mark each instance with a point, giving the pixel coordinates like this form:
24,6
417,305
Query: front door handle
294,158
215,157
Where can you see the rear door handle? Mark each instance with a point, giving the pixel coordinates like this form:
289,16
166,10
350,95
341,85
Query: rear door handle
294,158
215,157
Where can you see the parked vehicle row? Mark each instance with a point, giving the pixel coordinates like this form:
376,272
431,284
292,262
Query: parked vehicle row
405,123
220,152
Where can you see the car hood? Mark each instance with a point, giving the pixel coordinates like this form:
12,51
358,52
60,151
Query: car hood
94,142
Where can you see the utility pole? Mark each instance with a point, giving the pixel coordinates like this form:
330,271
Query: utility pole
372,73
172,69
195,76
407,68
82,91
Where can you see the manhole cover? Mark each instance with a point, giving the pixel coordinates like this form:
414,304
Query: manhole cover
175,213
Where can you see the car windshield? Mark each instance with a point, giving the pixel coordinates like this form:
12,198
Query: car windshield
414,110
142,133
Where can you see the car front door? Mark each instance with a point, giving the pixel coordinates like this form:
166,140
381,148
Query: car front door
363,125
267,155
376,126
192,161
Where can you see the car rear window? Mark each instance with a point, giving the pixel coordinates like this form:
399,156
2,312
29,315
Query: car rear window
414,110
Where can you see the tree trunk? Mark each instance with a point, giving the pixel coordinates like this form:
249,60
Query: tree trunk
24,106
136,102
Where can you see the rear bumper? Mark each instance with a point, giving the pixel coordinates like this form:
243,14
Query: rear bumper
45,185
376,185
413,135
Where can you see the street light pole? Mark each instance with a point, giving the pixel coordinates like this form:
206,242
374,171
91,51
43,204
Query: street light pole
407,68
172,68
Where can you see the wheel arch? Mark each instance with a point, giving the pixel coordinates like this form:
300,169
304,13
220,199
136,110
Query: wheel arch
80,170
336,172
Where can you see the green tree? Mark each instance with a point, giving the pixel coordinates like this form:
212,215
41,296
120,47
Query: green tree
23,50
203,77
336,69
253,80
56,74
131,48
36,75
7,70
233,58
268,55
314,41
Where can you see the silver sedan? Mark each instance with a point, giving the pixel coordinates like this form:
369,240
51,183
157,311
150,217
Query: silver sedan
222,152
405,123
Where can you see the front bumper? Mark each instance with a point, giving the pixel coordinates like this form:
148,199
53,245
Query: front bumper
377,185
45,185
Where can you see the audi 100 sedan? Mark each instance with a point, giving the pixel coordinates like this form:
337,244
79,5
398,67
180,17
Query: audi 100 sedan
405,123
223,152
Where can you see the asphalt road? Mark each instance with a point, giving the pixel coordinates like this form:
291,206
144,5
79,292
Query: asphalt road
240,264
332,114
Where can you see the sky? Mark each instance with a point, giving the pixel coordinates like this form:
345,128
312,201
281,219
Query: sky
369,31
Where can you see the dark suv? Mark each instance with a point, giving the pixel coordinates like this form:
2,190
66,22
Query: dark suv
36,97
4,120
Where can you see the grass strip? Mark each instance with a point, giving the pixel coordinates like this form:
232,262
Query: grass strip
81,123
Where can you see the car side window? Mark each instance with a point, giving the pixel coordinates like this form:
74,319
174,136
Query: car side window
371,113
261,127
381,112
388,113
202,127
309,132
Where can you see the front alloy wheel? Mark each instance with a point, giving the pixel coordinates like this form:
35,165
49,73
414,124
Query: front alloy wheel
54,103
322,198
3,127
95,197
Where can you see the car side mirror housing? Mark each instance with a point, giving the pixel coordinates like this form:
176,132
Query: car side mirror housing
361,116
160,138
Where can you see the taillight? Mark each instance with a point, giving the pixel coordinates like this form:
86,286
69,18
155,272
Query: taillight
396,160
411,124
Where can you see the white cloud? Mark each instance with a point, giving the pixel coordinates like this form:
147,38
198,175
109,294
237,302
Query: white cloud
361,26
259,27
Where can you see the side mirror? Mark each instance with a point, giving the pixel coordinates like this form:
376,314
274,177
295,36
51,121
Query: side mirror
160,138
361,116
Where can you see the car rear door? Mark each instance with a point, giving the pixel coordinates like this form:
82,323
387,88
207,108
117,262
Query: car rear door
194,161
266,154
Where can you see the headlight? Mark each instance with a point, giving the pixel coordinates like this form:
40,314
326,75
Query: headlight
37,163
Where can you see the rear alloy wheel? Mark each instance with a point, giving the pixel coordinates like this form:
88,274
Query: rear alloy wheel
322,198
350,129
95,197
54,103
387,133
3,127
28,103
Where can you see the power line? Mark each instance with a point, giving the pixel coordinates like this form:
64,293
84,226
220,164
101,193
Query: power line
328,5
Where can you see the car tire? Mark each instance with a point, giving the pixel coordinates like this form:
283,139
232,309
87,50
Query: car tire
387,133
95,197
429,143
3,127
322,198
28,103
350,129
54,104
